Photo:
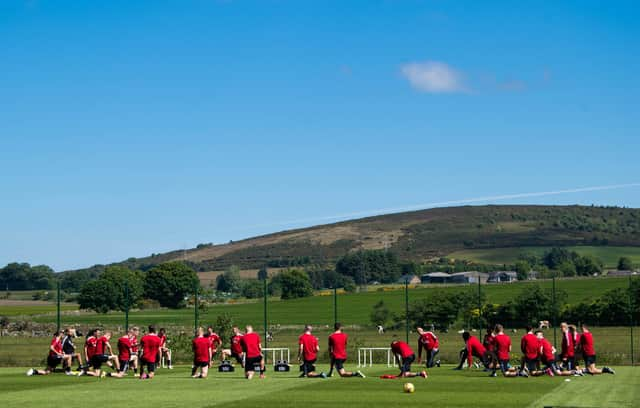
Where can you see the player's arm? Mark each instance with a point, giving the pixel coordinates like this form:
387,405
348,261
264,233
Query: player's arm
86,353
469,355
108,348
300,351
420,346
210,356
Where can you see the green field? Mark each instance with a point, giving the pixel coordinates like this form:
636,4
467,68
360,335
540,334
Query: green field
353,309
607,254
443,388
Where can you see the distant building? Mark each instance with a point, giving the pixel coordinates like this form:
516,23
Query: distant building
435,277
469,277
413,279
502,276
614,273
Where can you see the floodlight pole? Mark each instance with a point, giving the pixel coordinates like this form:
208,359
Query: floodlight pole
555,310
479,305
335,304
58,306
406,309
264,283
126,306
196,311
631,319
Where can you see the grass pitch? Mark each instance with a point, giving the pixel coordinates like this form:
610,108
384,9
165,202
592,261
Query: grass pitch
443,388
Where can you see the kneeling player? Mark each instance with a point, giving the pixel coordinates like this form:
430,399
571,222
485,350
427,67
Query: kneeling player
54,358
201,355
405,356
338,353
252,349
589,353
69,350
308,353
235,350
150,344
474,348
502,344
548,358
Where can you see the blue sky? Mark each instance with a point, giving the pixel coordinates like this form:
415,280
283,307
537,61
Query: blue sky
128,128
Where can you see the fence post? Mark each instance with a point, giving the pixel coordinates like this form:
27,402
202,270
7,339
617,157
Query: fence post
126,306
58,307
335,304
479,305
196,309
631,319
266,344
406,309
555,311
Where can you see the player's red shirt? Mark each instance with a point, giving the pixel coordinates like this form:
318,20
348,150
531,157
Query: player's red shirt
530,345
546,350
309,346
134,344
489,342
251,345
503,344
201,347
214,340
91,344
474,348
236,347
429,341
163,340
586,343
568,345
101,345
57,346
124,348
402,348
338,345
150,344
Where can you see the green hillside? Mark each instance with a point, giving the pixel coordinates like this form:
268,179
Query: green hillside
422,235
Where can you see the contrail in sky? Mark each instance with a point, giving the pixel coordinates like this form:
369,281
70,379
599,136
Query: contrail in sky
369,213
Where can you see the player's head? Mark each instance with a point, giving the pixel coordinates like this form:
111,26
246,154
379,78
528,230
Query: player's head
66,331
539,334
498,328
162,331
528,328
572,328
584,328
307,328
97,333
564,326
136,330
420,330
200,331
152,328
337,326
210,329
56,333
466,335
235,330
249,329
393,343
107,335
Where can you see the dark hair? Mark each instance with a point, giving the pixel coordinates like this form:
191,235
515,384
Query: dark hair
528,328
152,328
539,331
466,335
162,330
337,326
499,328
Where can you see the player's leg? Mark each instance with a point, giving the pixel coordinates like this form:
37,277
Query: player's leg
463,357
331,365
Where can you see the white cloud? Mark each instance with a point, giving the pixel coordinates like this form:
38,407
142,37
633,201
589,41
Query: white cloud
433,77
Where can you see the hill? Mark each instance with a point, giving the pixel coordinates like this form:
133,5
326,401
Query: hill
419,236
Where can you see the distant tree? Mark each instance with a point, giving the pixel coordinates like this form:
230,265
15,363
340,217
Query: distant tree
368,266
252,289
625,264
380,315
263,273
567,269
98,296
294,284
229,281
108,291
534,304
169,283
588,265
556,256
223,325
522,270
438,309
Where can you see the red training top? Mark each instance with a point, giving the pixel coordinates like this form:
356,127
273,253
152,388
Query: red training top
57,346
503,344
402,348
309,346
236,347
546,351
568,345
586,343
429,341
338,345
529,346
251,345
163,340
91,344
124,348
134,343
101,346
474,348
150,344
214,340
201,347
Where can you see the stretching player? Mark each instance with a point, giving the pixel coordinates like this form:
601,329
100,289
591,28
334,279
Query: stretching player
405,356
55,357
235,349
94,354
502,344
69,349
308,354
252,349
338,353
547,357
530,346
134,332
589,353
150,344
214,341
124,356
428,341
567,353
473,348
164,350
201,355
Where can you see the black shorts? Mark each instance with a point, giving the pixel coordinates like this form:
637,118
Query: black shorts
201,364
250,362
151,366
504,365
338,363
53,361
97,361
406,363
309,365
531,364
549,364
588,360
237,356
124,365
